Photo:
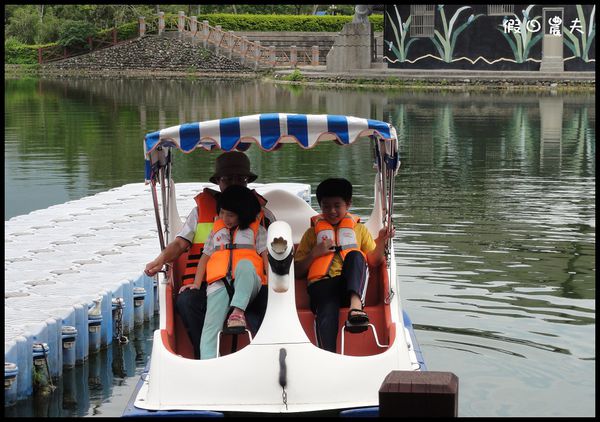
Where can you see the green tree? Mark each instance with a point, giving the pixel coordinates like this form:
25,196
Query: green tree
75,33
24,25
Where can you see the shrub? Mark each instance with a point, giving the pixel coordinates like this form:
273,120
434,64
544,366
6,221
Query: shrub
128,31
75,34
294,23
295,76
17,53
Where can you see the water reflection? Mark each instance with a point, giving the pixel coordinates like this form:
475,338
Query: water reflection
494,212
100,387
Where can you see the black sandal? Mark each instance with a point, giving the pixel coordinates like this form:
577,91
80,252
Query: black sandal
357,319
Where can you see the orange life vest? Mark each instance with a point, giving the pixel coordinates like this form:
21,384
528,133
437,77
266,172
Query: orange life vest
230,250
344,240
207,212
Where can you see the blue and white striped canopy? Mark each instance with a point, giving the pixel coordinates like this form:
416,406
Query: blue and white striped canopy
267,130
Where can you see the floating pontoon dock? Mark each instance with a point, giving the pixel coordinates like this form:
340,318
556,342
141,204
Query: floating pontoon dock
75,266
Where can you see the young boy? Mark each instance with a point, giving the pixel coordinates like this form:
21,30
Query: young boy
333,254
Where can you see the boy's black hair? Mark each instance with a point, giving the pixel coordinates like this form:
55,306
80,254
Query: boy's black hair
334,187
241,201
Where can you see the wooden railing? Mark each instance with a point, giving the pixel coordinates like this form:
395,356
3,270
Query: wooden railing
57,52
229,44
223,42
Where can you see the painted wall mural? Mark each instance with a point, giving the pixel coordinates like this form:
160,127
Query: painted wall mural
521,42
578,32
445,43
475,37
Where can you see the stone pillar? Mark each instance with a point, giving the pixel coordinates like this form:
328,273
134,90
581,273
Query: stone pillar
230,43
161,23
193,25
194,29
180,23
219,36
244,48
272,56
293,56
552,43
351,48
142,21
205,33
315,56
257,53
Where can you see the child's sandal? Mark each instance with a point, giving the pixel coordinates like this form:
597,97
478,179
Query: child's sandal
236,321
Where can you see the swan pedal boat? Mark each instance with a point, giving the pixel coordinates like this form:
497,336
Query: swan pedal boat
280,370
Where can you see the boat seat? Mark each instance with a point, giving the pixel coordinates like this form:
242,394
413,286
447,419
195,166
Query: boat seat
292,209
369,342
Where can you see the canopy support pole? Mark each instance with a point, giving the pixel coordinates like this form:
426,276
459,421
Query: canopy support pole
161,239
163,191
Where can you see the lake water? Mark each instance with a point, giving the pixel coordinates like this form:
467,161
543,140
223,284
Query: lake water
494,214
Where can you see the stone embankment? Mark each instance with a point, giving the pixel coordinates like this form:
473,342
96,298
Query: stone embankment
151,53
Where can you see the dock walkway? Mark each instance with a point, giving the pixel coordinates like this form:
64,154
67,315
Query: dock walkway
60,260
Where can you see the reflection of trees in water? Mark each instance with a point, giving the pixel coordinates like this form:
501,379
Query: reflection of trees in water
470,183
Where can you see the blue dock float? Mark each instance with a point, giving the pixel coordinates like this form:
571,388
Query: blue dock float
69,337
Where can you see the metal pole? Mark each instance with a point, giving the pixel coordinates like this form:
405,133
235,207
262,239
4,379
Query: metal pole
161,239
163,191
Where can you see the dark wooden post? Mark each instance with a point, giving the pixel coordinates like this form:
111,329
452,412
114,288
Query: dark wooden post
39,55
419,393
91,43
114,36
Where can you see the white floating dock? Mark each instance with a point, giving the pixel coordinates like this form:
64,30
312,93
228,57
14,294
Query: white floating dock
60,259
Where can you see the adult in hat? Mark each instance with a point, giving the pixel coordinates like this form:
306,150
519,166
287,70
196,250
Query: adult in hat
232,165
231,168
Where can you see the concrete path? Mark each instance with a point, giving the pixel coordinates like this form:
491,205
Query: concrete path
320,72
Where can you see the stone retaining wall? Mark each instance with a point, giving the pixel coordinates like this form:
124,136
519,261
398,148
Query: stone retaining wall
152,52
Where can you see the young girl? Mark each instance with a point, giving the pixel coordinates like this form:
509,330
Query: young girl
234,261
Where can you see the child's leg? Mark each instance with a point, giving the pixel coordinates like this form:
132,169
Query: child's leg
217,306
246,285
325,299
355,274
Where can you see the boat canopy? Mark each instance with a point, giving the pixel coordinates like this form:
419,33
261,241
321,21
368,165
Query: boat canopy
268,130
